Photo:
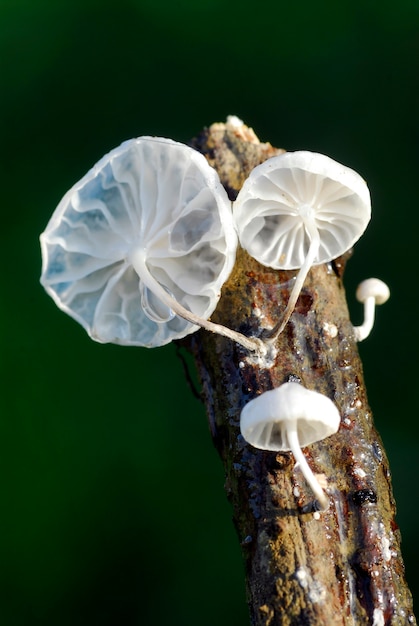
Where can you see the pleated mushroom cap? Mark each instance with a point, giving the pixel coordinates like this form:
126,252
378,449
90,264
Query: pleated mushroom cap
151,202
282,194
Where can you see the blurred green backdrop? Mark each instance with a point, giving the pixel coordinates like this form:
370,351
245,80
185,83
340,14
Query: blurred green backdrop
112,503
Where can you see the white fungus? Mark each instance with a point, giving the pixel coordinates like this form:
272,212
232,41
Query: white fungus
370,292
330,330
300,209
287,418
137,251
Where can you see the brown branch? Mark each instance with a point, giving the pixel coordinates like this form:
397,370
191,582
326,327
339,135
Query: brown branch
343,566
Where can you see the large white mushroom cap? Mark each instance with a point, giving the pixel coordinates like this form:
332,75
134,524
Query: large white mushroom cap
300,209
154,204
285,192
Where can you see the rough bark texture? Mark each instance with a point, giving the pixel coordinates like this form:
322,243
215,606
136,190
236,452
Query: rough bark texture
342,566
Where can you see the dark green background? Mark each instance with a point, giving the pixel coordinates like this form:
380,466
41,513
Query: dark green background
112,503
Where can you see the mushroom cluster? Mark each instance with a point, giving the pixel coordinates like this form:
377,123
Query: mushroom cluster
138,250
294,211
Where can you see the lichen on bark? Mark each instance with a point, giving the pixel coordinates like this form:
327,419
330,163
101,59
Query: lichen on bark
343,566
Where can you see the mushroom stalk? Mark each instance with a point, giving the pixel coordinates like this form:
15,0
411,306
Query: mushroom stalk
294,445
138,260
362,332
371,292
313,232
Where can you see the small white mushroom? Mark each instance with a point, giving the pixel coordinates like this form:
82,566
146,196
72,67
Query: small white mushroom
287,418
138,250
370,292
300,209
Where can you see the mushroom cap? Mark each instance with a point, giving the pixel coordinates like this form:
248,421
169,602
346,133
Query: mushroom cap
265,419
373,288
283,192
150,194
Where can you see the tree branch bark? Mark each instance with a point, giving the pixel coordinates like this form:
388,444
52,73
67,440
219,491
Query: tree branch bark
340,567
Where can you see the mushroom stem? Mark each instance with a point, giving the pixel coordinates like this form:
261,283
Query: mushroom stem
362,332
138,261
370,292
273,334
294,445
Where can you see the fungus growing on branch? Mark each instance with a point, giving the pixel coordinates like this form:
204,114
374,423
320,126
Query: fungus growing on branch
300,209
288,418
138,250
370,292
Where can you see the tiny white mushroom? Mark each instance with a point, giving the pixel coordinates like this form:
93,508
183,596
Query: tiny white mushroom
300,209
370,292
287,418
137,251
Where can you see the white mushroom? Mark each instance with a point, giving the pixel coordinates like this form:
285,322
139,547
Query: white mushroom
138,249
300,209
287,418
370,292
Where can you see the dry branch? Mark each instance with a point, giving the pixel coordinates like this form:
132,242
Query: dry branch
340,567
